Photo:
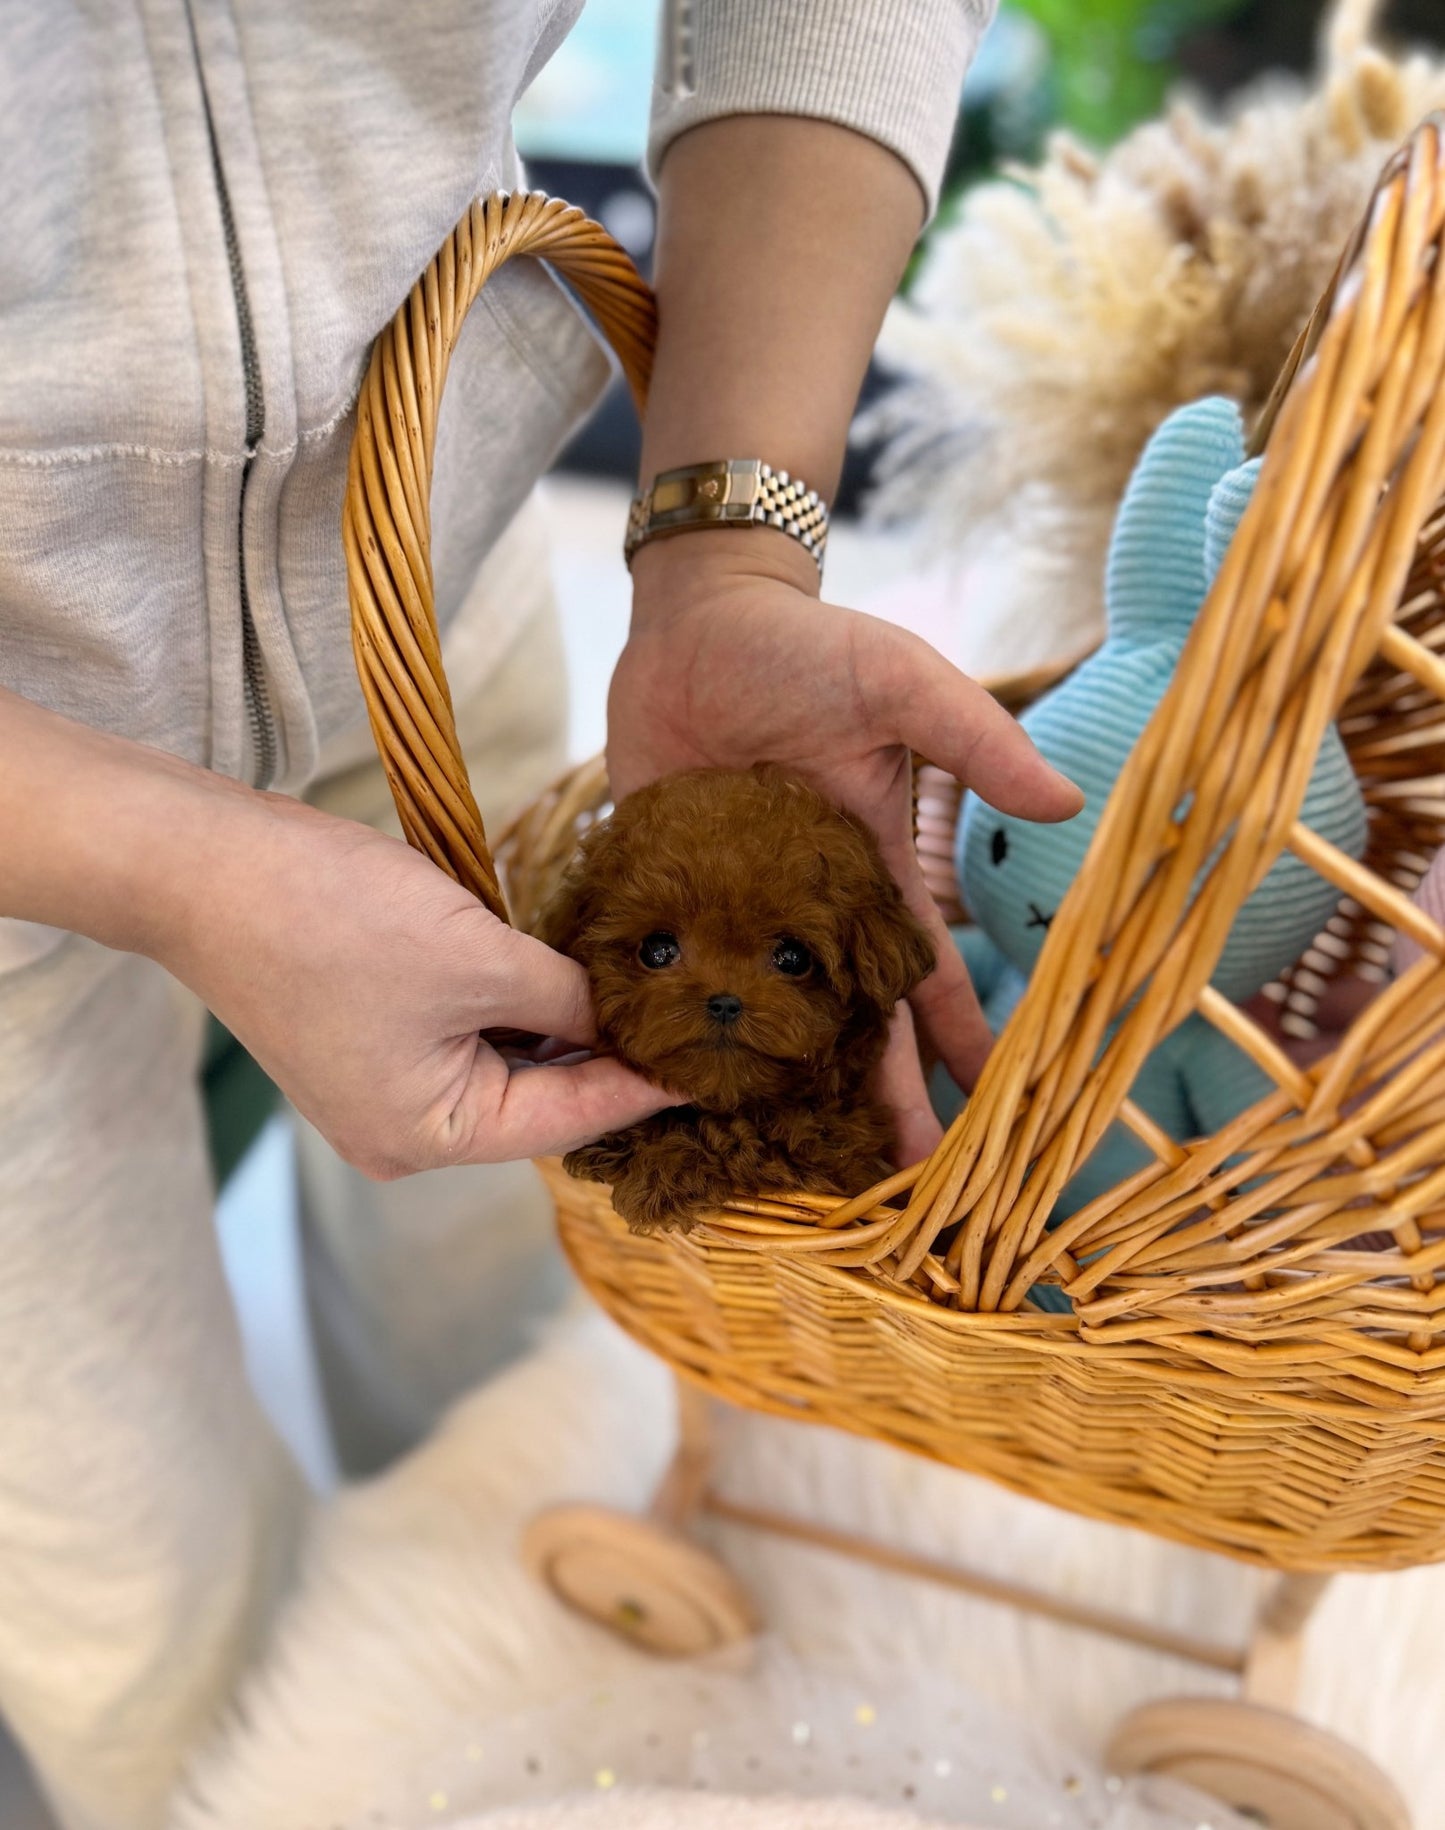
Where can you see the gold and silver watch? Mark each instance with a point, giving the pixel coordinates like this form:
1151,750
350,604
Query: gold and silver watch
732,492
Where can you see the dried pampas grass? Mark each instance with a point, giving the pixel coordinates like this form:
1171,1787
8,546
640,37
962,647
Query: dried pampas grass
1075,304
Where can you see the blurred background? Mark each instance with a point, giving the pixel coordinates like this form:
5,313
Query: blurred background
1094,67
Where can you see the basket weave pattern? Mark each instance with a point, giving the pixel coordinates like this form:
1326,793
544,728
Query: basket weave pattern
1256,1361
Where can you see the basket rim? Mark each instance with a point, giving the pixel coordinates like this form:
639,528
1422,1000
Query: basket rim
1030,1331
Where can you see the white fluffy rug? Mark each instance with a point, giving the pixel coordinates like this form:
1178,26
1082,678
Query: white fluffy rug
672,1810
417,1646
658,1810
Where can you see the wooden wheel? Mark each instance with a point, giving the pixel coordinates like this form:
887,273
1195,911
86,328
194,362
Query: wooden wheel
643,1580
1268,1766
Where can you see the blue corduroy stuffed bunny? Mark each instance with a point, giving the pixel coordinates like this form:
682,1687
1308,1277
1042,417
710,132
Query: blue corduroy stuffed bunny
1186,496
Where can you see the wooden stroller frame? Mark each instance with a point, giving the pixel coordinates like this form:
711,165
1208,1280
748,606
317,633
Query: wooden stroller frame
645,1578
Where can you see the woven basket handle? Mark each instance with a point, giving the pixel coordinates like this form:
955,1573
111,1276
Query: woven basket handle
386,521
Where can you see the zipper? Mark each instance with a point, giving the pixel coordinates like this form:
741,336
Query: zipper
260,721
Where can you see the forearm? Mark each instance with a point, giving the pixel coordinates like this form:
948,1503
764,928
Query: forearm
781,241
359,976
101,836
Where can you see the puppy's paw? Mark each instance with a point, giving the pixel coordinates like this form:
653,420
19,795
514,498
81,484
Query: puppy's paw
646,1204
648,1208
603,1161
582,1164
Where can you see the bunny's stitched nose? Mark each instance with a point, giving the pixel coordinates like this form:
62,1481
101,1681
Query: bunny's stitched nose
724,1008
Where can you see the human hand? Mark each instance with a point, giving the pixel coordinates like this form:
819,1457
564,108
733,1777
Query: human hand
360,977
733,660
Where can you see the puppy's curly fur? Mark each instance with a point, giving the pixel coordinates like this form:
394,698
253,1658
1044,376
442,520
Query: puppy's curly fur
746,947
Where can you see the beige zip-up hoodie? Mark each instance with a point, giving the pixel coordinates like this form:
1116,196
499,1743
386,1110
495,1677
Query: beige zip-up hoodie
208,209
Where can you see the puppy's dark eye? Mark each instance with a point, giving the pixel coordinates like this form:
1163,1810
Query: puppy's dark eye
659,950
998,845
793,959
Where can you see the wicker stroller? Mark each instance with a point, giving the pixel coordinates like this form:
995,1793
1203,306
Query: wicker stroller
1255,1361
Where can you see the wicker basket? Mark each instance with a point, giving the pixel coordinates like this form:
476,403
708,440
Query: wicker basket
1256,1358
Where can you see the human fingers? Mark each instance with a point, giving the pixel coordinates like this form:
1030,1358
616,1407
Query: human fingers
545,1111
945,1005
901,1086
958,725
528,987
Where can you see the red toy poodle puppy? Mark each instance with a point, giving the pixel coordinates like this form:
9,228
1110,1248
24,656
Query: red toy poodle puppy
746,948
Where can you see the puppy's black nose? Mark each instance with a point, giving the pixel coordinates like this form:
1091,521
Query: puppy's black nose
723,1007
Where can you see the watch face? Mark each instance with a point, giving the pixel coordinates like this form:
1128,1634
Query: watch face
739,492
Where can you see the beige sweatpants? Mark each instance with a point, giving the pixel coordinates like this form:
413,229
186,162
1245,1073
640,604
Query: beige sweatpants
148,1516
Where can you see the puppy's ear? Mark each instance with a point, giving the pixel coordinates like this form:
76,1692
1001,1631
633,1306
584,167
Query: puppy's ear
889,948
886,947
568,914
595,878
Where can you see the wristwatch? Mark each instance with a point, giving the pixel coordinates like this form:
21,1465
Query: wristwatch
731,492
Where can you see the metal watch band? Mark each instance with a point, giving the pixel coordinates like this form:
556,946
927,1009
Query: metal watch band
732,492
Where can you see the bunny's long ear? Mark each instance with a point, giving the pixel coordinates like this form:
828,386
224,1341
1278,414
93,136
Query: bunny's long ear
1232,495
1156,575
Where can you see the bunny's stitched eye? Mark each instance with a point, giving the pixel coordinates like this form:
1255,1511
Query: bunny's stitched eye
998,845
792,959
659,950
